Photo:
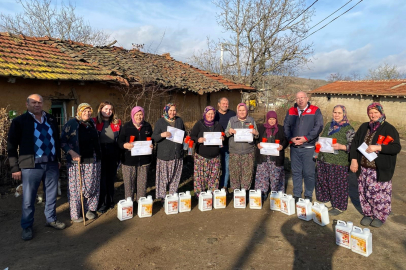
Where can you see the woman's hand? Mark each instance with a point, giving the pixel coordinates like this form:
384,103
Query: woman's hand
254,132
201,140
75,156
259,146
373,148
166,134
152,146
280,148
232,131
338,146
222,138
128,146
354,165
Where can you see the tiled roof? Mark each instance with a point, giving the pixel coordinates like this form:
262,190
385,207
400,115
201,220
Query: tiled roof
28,57
389,88
139,67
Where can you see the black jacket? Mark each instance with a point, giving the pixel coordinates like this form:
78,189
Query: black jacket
206,151
166,149
21,136
386,160
280,135
140,135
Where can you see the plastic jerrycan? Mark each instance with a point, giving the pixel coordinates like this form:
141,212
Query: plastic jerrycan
145,206
185,202
304,209
125,209
361,241
171,204
287,204
219,199
275,200
343,233
240,198
255,200
205,201
320,214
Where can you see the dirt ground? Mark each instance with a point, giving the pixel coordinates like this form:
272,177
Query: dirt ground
218,239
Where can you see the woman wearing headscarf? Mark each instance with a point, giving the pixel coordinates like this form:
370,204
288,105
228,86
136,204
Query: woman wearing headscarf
135,167
241,162
169,154
80,142
332,169
108,128
375,177
207,163
270,173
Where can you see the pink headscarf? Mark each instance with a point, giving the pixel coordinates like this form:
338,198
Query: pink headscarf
134,111
246,108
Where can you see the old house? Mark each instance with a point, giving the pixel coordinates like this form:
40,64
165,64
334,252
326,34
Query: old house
67,73
357,95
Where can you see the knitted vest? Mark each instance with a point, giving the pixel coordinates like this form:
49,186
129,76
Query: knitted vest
342,157
44,143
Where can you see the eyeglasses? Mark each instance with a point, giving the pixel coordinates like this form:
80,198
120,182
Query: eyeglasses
301,98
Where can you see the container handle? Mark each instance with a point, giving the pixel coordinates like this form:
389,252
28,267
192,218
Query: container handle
341,222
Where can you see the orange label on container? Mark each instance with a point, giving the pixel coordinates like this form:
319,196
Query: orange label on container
127,212
172,206
276,203
146,209
185,204
255,201
207,203
317,215
239,200
220,201
342,238
301,211
358,244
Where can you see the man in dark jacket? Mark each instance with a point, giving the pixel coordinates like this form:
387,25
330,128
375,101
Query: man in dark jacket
303,124
35,135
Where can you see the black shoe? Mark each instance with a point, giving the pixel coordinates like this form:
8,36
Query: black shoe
56,225
26,234
366,221
308,197
376,223
296,199
102,209
335,212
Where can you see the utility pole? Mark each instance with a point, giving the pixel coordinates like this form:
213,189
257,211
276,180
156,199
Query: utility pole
221,58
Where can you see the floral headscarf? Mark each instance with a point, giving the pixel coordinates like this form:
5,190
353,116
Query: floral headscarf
246,108
166,109
81,108
134,111
374,125
336,126
271,114
206,110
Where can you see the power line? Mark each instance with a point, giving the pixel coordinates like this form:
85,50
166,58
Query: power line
329,22
329,15
300,14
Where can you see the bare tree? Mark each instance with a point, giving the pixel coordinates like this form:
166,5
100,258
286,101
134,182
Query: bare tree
264,37
43,18
385,72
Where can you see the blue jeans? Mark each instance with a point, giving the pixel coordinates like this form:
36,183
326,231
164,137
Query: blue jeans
49,174
225,175
303,167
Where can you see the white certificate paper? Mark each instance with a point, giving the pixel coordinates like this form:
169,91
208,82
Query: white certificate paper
177,135
326,145
141,148
243,135
269,149
369,156
212,138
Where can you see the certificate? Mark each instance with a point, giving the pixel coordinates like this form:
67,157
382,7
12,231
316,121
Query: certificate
177,135
326,145
141,148
212,138
269,149
369,156
243,135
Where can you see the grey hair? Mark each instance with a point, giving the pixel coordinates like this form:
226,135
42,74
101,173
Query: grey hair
28,98
220,99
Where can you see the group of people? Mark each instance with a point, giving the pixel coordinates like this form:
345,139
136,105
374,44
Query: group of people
95,148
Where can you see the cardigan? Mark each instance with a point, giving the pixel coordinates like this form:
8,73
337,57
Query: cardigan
206,151
166,149
386,160
21,137
128,130
280,135
240,148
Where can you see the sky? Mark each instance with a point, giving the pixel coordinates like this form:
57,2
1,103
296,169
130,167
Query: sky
369,35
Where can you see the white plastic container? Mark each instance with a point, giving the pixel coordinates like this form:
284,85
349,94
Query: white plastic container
240,200
185,202
171,204
361,241
320,214
219,199
255,199
287,204
275,200
125,209
205,201
304,209
145,206
343,233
